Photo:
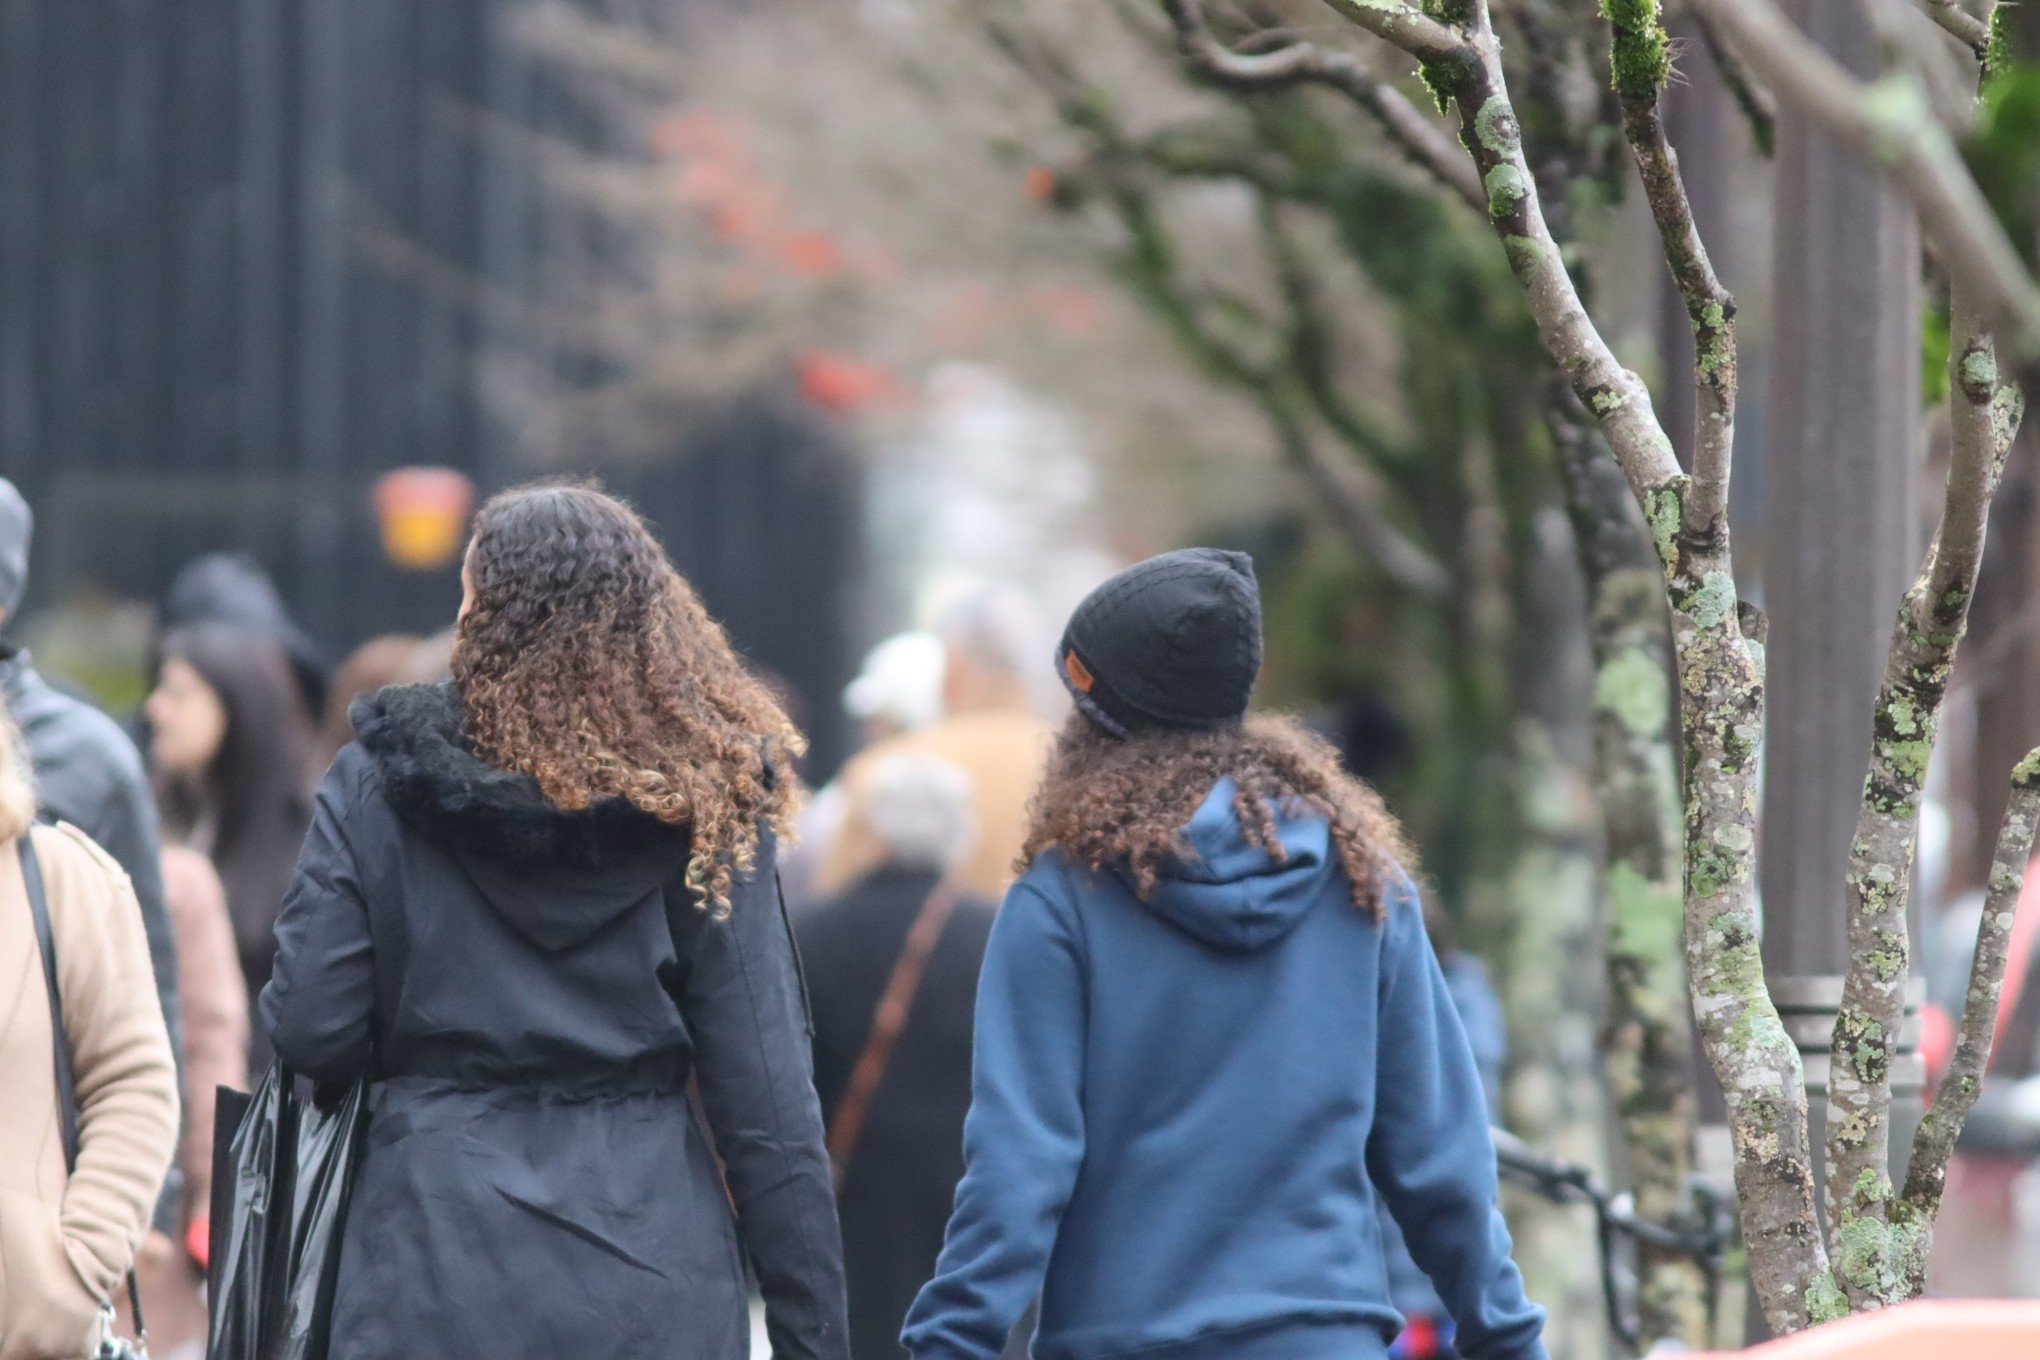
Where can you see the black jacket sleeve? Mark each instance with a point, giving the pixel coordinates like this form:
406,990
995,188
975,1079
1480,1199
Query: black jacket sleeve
319,1006
743,1003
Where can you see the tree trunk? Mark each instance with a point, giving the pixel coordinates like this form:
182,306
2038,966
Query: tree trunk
1648,1032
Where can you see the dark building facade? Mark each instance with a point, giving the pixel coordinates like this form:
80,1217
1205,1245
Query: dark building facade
254,253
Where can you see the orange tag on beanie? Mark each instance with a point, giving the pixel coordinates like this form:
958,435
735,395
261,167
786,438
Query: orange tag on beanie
1079,674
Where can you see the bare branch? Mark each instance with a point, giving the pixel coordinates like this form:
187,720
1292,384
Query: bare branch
1300,62
1889,123
1927,1170
1356,511
1759,107
1972,32
1930,626
1708,304
1745,1041
1354,503
1414,32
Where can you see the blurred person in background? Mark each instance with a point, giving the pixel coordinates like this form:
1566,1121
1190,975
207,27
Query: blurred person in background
431,662
534,902
72,1213
232,588
87,772
896,1133
897,690
231,741
1156,1139
391,659
216,1037
990,729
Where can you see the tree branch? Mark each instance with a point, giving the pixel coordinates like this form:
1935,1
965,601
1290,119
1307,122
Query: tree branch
1746,1043
1930,625
1647,1036
1354,503
1926,1171
1301,62
1888,122
1641,64
1758,106
1972,32
1414,32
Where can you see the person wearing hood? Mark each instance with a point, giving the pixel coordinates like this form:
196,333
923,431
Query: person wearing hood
232,589
534,902
1211,1033
87,772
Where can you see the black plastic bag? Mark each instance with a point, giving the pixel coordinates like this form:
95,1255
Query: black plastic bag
283,1174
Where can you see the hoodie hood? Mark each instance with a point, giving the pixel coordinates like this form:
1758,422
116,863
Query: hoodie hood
556,875
1232,894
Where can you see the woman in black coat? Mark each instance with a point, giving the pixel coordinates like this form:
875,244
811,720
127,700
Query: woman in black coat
532,903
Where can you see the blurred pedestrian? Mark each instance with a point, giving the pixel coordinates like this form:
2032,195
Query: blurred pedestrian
79,1177
989,728
87,772
893,973
391,659
232,588
532,903
1211,1033
897,690
231,743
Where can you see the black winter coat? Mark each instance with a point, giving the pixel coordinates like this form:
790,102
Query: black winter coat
901,1181
533,1183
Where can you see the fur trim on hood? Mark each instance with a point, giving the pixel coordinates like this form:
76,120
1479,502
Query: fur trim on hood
437,783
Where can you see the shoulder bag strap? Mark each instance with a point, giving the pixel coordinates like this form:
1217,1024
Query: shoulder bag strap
46,943
888,1022
67,1084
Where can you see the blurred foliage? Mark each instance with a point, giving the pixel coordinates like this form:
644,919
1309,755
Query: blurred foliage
2003,150
1934,352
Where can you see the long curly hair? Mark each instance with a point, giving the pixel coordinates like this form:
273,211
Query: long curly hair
586,662
1121,803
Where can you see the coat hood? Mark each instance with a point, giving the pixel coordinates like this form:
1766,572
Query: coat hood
555,874
1232,894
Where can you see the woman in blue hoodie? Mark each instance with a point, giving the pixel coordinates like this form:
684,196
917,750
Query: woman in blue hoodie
1211,1034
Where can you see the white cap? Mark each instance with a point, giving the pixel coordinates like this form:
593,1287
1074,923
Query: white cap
901,682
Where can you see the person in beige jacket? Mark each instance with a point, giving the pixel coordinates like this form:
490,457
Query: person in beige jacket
991,729
66,1239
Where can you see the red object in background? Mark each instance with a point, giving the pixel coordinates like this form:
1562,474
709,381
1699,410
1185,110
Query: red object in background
1039,183
810,254
198,1241
423,511
844,385
1419,1341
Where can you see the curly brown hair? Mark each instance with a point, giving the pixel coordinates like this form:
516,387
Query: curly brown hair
587,662
1109,802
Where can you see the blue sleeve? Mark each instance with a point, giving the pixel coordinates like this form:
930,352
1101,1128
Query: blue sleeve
1430,1155
1024,1137
319,1005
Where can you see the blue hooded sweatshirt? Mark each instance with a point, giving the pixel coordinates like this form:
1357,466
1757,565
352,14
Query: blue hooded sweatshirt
1183,1112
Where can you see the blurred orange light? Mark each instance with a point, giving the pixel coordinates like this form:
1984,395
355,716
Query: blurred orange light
423,512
